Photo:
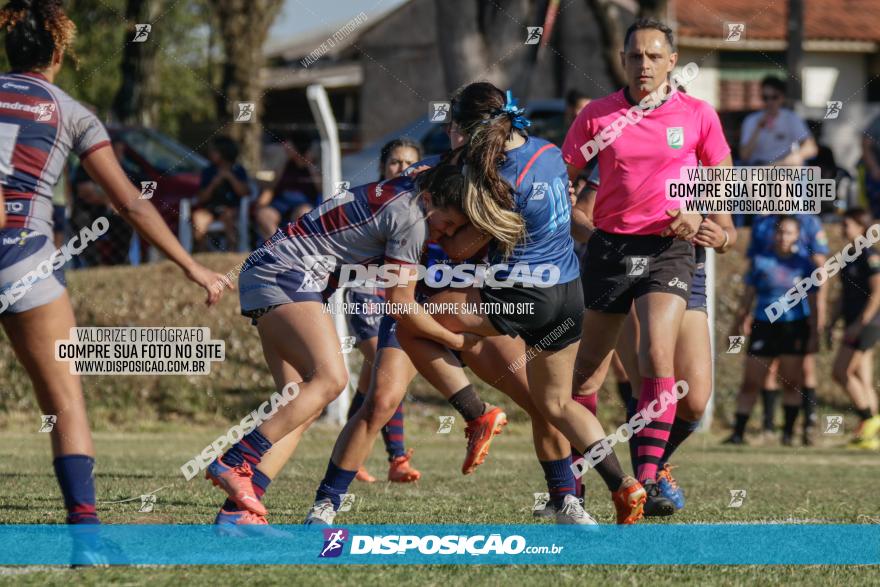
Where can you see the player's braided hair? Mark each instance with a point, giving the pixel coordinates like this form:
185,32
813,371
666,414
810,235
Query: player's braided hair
35,29
479,111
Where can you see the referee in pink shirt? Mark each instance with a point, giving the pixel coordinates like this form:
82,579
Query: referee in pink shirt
641,253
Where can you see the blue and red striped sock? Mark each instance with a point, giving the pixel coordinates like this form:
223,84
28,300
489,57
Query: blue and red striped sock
392,434
652,438
591,402
75,474
560,479
260,482
251,448
334,484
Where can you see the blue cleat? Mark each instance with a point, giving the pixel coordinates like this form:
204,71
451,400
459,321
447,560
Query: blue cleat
669,487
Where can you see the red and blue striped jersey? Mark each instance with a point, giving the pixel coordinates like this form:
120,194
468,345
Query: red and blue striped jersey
50,124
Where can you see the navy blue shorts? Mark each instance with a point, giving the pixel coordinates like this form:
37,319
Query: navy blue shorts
697,300
388,333
364,324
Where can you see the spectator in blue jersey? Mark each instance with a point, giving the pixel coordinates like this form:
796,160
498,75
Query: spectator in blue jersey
787,338
812,244
224,183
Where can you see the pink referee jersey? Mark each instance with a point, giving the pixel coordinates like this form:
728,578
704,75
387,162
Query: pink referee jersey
681,132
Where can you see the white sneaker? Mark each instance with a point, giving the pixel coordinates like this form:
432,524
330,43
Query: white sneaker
321,514
572,512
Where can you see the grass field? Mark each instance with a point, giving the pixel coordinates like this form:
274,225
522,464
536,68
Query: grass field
824,484
147,427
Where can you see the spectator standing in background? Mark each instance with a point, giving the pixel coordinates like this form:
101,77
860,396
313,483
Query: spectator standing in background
223,184
775,135
295,192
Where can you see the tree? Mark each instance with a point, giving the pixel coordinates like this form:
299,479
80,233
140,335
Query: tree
486,41
243,27
136,102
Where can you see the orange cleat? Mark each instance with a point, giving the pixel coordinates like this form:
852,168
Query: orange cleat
400,471
364,476
479,433
629,501
236,482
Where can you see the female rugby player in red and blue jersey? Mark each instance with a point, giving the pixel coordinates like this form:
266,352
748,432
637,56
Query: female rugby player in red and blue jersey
641,251
51,124
284,285
518,203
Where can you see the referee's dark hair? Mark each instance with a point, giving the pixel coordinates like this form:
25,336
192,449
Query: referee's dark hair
652,24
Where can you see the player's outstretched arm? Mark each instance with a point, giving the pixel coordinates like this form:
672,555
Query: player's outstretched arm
103,167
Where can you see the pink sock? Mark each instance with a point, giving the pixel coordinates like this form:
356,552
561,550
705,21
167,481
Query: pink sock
591,403
653,437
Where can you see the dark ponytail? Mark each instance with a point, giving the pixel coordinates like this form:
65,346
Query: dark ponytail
479,111
35,29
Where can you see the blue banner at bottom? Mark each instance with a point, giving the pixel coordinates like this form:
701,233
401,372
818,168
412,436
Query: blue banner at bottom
757,544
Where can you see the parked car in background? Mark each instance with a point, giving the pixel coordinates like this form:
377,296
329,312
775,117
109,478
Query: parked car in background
547,118
153,156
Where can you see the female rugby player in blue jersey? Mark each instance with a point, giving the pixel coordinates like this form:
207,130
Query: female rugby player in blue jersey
787,337
518,204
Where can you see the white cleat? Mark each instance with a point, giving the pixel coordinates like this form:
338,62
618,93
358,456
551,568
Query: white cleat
321,514
572,512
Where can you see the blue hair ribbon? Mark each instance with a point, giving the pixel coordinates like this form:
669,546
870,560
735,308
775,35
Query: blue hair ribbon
515,113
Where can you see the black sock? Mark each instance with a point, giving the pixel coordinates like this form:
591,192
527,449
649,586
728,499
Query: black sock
809,405
631,406
864,413
739,429
625,391
791,414
770,398
468,403
681,429
608,468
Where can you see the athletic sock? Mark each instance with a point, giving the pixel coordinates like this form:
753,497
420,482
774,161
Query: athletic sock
591,403
468,403
251,448
560,479
791,414
260,482
392,434
633,441
808,403
75,474
356,402
681,429
334,484
739,428
864,413
653,437
625,391
769,397
608,468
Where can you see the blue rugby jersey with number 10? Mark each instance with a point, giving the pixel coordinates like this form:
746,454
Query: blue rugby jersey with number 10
539,179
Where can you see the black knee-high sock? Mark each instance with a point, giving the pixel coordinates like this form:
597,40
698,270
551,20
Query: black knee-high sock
739,428
791,414
808,404
770,398
681,429
608,468
631,405
625,391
